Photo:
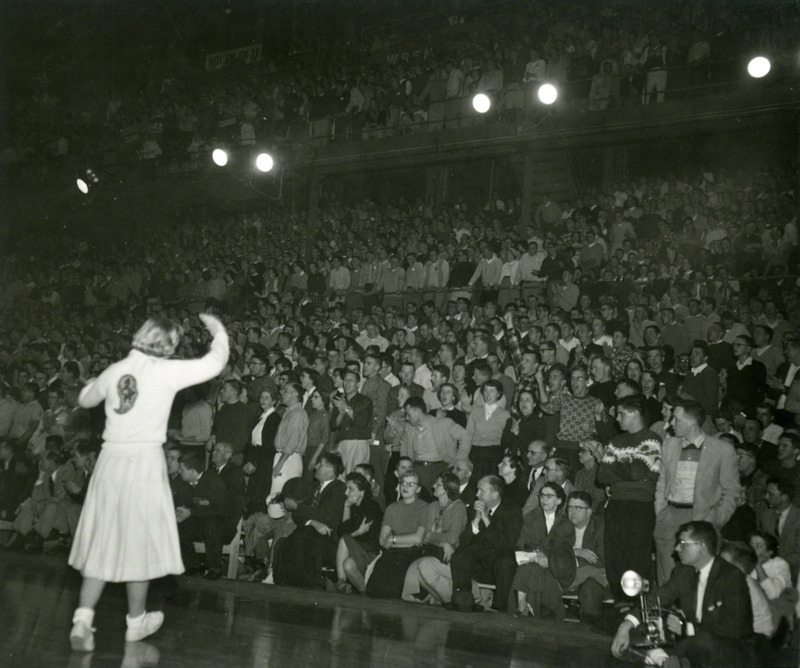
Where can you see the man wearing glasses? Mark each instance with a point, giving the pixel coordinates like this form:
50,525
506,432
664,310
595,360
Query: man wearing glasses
714,599
590,577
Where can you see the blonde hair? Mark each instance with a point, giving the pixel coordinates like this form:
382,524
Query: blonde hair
159,336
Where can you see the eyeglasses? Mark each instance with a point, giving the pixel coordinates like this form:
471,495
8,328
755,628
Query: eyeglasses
544,495
407,483
577,507
683,543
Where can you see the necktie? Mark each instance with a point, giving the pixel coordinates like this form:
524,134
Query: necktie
317,494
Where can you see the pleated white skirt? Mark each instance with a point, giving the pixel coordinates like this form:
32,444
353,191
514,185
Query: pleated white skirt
127,531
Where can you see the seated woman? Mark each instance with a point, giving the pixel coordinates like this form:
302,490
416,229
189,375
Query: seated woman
512,472
545,549
40,514
445,520
401,537
774,575
358,531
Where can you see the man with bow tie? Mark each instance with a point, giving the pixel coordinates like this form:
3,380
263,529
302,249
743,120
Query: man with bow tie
702,382
699,481
715,601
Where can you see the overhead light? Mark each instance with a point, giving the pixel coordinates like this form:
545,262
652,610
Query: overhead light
264,162
481,103
758,67
86,181
547,93
220,157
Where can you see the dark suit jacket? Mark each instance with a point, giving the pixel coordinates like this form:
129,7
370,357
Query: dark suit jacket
789,540
720,356
703,388
497,539
327,508
468,495
727,612
748,385
534,534
209,488
233,479
593,540
181,491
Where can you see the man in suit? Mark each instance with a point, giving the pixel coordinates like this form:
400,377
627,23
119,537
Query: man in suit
715,600
590,577
467,486
232,477
702,382
538,453
204,520
699,481
299,558
490,535
782,519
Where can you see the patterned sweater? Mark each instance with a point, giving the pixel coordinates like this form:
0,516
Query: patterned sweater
630,466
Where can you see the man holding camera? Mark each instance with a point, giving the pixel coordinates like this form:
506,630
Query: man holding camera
714,601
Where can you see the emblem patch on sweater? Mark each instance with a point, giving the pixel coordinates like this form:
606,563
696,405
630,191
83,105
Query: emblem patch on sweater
128,393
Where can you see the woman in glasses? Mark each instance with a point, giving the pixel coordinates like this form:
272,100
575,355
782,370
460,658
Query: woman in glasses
545,550
402,533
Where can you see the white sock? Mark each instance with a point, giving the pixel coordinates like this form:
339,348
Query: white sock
85,615
135,620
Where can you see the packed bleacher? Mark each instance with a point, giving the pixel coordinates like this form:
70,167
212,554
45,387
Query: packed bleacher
358,78
383,401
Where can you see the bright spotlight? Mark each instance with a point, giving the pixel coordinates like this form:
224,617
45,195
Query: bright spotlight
86,181
758,67
481,103
264,162
220,157
547,93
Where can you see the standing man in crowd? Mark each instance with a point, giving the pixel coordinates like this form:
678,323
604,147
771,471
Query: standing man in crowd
699,481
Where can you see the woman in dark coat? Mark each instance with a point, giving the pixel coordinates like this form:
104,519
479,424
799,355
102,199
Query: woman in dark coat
546,542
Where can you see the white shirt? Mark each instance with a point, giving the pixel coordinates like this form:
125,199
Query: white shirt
702,581
422,377
138,391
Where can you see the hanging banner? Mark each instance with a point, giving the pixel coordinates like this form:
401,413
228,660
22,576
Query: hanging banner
245,54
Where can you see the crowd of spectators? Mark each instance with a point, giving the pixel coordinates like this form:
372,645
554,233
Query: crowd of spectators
393,79
436,396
